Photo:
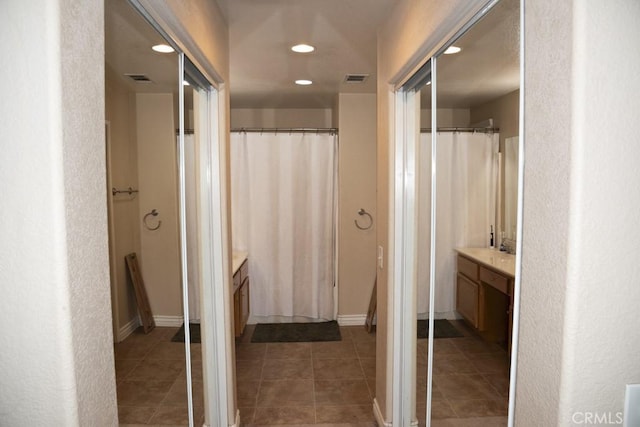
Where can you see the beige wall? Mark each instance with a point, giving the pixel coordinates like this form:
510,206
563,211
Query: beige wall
157,178
281,118
447,117
505,112
124,227
357,189
57,364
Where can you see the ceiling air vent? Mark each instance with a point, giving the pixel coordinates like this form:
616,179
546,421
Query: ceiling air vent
356,78
139,78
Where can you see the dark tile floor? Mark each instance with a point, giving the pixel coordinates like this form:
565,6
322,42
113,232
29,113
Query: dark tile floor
151,380
470,381
320,384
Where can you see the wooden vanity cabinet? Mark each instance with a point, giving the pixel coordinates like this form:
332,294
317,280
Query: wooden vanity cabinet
468,291
467,299
241,298
484,298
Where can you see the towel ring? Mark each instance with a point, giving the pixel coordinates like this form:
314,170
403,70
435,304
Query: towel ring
362,212
144,220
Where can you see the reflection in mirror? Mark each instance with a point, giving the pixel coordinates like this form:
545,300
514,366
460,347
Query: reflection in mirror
194,86
477,97
141,109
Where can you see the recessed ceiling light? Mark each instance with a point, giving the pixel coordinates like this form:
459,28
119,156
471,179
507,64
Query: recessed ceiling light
304,82
303,48
163,48
452,49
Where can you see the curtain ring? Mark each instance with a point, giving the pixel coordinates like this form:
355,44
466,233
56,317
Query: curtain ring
362,212
144,220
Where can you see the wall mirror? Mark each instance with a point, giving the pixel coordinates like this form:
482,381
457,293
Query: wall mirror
475,95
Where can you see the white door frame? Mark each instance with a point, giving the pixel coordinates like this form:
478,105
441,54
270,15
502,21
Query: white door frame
217,341
403,275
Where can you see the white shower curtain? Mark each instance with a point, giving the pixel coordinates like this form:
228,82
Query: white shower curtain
283,215
467,184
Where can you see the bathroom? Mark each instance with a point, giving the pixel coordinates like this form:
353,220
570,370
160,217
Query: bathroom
144,166
55,205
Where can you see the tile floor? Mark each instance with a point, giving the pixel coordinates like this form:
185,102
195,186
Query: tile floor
307,383
151,380
310,384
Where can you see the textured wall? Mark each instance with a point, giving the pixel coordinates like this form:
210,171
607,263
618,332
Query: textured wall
57,360
578,334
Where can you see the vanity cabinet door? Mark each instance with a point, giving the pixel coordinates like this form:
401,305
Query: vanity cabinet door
244,303
241,298
237,310
467,299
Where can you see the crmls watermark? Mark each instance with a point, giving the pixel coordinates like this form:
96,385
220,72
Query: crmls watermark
597,418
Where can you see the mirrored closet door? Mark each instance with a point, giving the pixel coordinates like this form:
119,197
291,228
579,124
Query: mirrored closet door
159,109
469,108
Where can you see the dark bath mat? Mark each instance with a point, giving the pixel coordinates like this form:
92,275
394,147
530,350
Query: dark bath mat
194,331
442,328
296,332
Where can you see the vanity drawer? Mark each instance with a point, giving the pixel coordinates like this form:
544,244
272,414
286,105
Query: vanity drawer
468,268
494,279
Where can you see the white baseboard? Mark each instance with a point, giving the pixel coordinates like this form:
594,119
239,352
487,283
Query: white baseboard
352,319
378,414
168,321
161,321
128,329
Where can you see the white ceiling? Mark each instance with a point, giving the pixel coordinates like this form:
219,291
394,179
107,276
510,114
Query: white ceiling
263,68
128,41
488,65
344,32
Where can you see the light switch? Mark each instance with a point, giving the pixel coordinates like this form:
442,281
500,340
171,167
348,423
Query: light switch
632,405
380,258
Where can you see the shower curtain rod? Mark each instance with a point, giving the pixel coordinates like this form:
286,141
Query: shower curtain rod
461,129
286,130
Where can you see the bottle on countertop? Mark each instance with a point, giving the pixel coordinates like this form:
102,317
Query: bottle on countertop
491,237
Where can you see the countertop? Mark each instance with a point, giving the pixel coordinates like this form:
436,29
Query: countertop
238,258
492,258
